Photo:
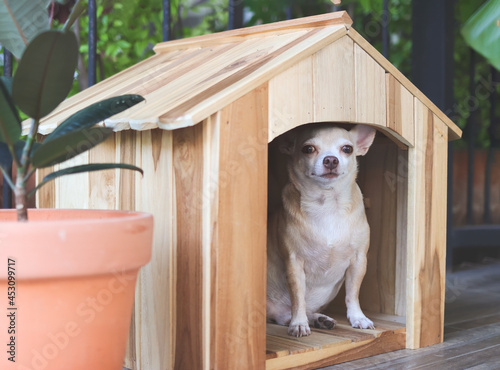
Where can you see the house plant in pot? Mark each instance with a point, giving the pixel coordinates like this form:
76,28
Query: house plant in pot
67,276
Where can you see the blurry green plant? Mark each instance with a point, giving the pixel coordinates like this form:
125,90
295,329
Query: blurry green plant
482,32
43,78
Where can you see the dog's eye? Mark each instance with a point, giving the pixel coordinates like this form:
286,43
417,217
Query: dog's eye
347,149
308,149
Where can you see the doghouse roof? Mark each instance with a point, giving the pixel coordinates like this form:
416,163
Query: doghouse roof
188,80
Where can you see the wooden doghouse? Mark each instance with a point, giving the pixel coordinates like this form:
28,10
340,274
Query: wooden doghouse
213,103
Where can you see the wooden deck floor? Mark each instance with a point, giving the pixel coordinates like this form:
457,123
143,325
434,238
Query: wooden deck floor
472,329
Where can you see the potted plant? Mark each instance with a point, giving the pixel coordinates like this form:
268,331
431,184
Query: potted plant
67,276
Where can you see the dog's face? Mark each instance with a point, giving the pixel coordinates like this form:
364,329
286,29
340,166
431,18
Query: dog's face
326,154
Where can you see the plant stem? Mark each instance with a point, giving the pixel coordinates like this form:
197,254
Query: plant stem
20,189
30,140
21,198
78,9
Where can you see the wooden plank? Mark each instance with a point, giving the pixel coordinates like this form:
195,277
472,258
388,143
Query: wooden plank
337,354
67,186
291,98
426,229
400,276
378,182
134,79
46,195
211,69
155,294
188,174
238,35
369,89
126,152
240,250
238,84
228,67
176,97
324,347
284,345
400,110
344,332
210,203
334,87
455,132
319,338
102,184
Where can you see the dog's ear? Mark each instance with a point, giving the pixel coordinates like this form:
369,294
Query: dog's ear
363,137
286,143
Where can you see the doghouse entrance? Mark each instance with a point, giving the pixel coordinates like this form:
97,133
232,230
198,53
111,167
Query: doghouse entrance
383,179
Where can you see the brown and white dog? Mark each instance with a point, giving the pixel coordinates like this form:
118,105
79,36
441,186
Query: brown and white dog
318,237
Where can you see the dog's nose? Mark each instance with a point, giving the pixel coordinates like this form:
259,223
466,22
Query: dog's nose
330,162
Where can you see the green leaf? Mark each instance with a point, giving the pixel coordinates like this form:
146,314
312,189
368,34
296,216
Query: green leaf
482,33
95,113
10,123
68,146
20,22
45,73
84,168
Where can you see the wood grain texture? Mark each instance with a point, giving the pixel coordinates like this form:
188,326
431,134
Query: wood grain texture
378,183
328,347
188,174
334,88
238,35
455,132
291,98
427,229
240,282
155,312
400,110
236,85
102,184
211,182
182,88
318,88
369,89
127,152
400,273
46,195
67,187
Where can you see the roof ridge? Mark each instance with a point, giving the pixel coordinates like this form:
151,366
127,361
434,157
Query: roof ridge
240,34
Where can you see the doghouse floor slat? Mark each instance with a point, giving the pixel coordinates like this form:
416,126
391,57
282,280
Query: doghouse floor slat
326,347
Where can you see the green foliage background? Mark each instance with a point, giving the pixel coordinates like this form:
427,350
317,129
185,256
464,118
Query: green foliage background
129,29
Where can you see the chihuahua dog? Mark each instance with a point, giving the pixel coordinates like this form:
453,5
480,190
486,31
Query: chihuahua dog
318,237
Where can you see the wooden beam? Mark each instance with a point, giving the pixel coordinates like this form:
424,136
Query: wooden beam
240,250
427,179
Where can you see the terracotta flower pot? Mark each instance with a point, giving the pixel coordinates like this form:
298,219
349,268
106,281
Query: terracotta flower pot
67,282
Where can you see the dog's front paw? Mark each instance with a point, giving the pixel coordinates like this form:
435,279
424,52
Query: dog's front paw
361,322
300,329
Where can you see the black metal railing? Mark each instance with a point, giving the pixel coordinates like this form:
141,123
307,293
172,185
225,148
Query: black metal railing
478,230
6,192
